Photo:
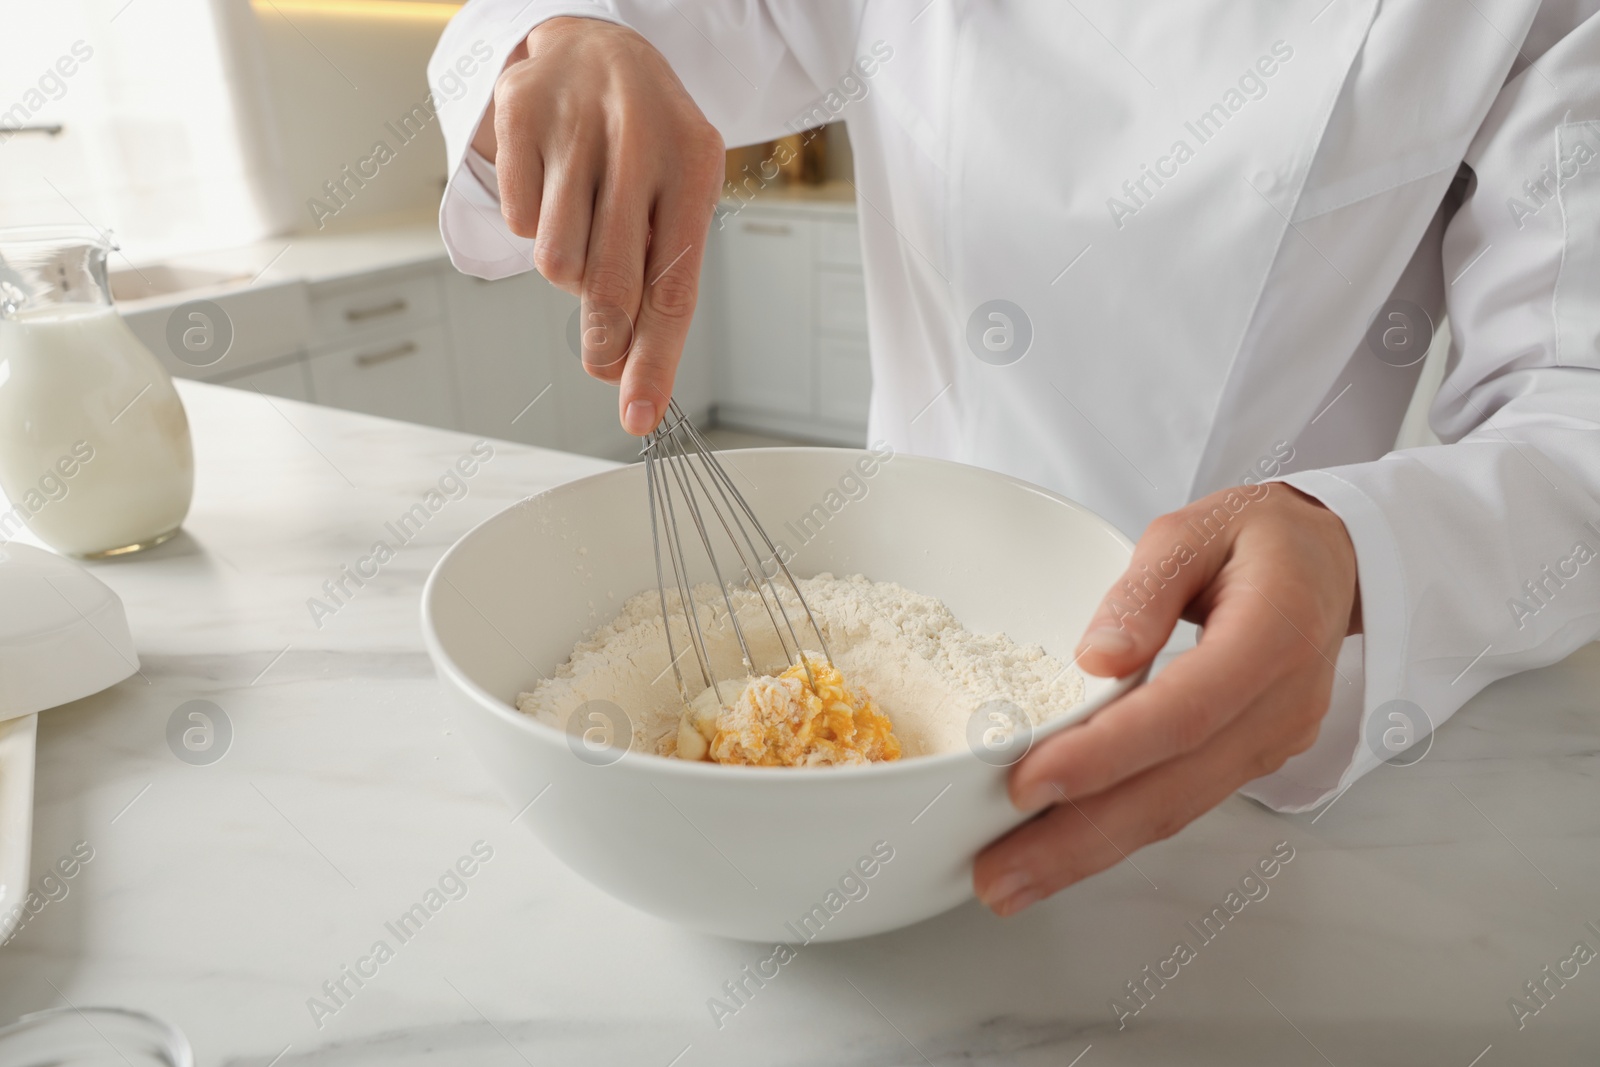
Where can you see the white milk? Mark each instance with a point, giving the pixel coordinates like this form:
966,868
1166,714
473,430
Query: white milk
94,443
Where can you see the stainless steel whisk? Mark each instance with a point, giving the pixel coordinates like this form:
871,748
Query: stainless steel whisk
683,475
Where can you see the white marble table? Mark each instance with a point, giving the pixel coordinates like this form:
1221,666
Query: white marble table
223,896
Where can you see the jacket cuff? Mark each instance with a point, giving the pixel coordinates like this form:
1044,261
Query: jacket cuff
475,234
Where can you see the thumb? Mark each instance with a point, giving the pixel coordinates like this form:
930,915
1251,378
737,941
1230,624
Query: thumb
1178,557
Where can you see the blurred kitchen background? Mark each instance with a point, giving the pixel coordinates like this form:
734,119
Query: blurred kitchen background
211,168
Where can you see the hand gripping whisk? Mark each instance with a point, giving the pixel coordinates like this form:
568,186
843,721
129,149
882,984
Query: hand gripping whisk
685,482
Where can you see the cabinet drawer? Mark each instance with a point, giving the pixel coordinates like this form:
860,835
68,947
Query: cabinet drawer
403,376
347,313
842,302
839,244
844,379
263,323
756,225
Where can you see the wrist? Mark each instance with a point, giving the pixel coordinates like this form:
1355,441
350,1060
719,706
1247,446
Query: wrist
1333,531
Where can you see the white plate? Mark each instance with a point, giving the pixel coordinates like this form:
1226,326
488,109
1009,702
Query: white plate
16,816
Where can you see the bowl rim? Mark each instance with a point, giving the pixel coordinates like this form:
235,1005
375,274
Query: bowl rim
649,762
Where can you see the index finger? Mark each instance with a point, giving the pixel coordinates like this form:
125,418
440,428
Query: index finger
1200,692
682,218
612,277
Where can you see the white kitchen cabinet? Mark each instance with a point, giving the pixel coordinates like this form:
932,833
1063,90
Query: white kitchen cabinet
410,338
380,345
839,243
397,375
290,379
505,338
844,380
353,308
794,358
841,302
585,406
254,325
513,346
767,289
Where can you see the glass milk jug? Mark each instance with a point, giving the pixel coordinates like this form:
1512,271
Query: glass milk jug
95,454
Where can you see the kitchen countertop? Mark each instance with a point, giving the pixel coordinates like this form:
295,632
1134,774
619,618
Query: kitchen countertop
222,896
375,244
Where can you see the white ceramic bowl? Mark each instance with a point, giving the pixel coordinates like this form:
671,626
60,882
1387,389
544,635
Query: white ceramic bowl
764,854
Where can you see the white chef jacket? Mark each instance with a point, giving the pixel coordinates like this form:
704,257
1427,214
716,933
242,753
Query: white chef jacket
1206,211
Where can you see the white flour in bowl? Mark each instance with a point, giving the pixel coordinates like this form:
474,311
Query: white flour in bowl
924,671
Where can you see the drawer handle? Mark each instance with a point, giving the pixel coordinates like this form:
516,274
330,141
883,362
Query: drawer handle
361,314
771,229
372,359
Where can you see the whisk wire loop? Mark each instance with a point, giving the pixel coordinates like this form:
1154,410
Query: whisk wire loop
726,486
682,474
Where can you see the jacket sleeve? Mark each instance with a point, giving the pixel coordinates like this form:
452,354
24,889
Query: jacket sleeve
1480,557
754,67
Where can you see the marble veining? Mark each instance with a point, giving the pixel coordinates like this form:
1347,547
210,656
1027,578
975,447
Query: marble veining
223,896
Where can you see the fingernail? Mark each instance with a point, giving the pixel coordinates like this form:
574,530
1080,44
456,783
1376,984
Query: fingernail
1005,887
640,418
1107,641
1015,903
